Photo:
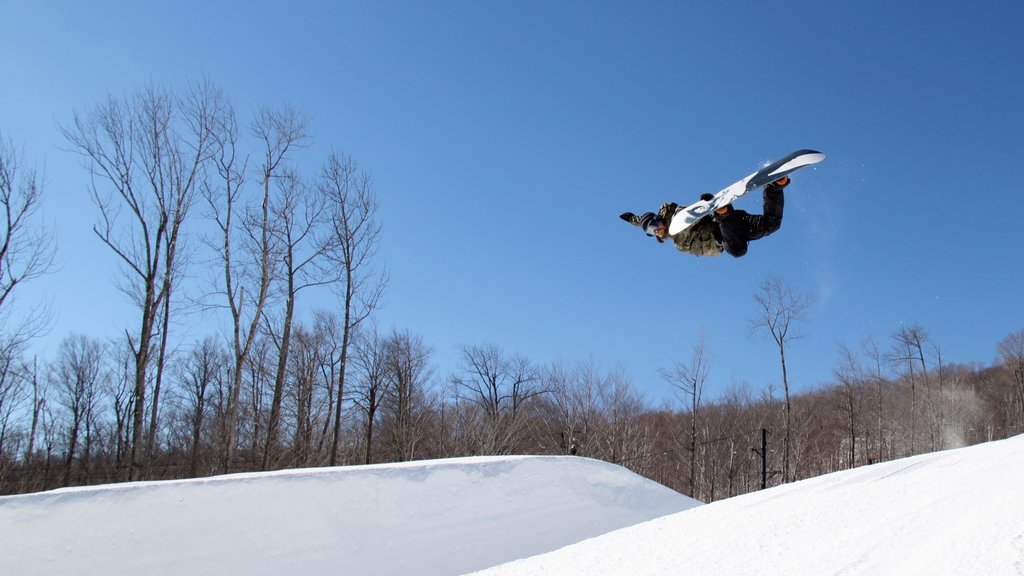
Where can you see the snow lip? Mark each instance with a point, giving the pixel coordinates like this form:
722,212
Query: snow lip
447,516
291,473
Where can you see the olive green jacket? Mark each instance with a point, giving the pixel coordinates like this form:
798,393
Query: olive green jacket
699,239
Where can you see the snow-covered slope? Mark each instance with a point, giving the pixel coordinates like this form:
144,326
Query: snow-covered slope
436,517
954,512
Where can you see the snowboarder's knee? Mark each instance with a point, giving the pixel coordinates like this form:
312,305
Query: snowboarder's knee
736,250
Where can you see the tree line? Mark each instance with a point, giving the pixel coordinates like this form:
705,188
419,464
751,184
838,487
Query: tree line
69,422
177,177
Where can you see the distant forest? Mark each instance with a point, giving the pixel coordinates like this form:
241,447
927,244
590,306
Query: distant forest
278,389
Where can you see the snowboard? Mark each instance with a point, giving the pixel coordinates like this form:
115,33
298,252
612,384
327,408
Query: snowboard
689,215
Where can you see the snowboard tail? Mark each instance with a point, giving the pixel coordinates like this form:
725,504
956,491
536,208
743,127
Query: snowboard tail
689,215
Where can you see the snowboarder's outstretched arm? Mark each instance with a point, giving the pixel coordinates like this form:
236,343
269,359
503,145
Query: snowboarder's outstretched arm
653,224
648,221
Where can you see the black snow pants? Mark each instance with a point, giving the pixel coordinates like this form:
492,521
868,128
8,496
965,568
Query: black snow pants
738,227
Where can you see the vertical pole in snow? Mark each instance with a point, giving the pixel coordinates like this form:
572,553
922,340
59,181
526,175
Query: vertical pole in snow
764,458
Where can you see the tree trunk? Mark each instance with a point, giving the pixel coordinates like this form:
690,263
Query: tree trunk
270,450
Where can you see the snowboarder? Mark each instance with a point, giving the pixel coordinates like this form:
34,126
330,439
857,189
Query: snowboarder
727,230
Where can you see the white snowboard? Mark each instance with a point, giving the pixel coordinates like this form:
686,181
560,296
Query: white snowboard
685,217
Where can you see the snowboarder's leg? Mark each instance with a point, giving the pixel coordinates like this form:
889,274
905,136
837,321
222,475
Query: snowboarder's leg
764,224
738,228
734,231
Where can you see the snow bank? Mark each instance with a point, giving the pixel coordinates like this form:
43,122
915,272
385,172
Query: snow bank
435,517
954,512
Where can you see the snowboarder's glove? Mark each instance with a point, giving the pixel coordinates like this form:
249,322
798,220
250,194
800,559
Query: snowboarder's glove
630,217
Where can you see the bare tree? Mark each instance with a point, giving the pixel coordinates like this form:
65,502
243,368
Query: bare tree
77,375
908,349
122,399
354,235
326,364
249,249
573,396
300,213
198,373
26,248
779,307
849,375
1011,349
12,396
391,376
405,399
939,426
312,364
874,353
623,436
370,368
149,151
594,412
36,404
688,379
259,376
500,386
26,252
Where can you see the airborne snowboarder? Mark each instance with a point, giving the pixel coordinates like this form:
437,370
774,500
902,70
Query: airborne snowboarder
711,225
725,230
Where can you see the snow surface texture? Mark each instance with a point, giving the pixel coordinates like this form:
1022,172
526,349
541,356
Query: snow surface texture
955,512
435,517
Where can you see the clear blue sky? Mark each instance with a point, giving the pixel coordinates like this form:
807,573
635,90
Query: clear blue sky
506,137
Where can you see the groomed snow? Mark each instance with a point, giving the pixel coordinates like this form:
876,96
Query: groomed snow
433,517
958,512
